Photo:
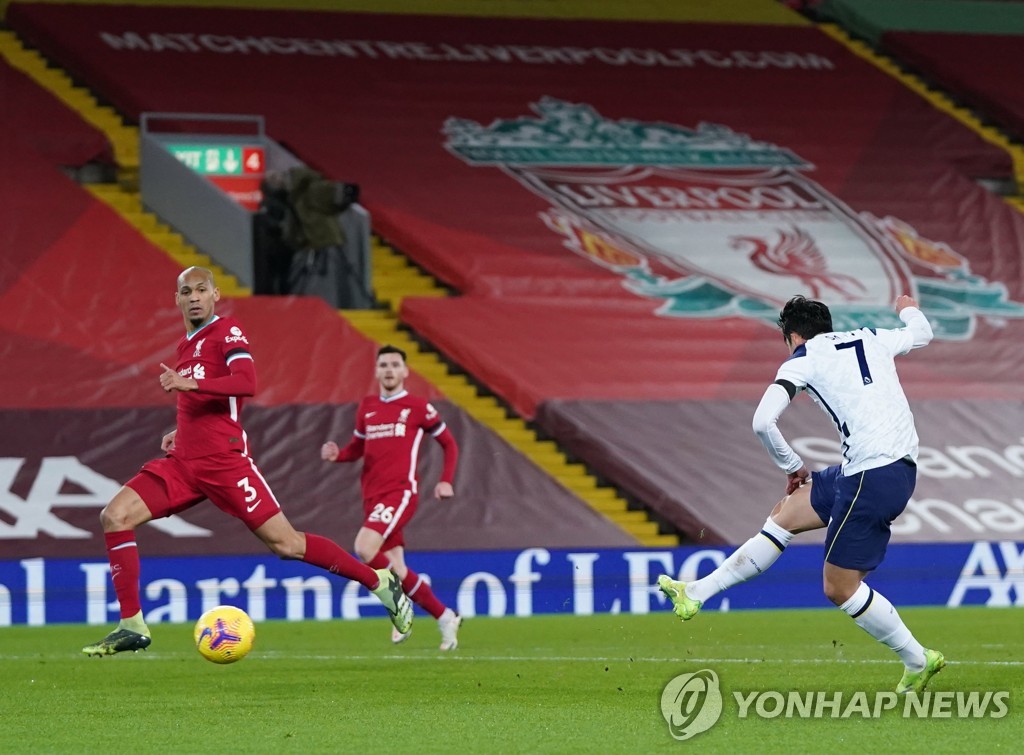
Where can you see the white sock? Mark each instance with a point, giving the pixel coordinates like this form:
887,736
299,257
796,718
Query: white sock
135,623
876,616
746,562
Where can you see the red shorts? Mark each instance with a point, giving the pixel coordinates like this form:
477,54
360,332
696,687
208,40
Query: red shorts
231,480
388,515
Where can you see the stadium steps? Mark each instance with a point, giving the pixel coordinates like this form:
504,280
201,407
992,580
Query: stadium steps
939,100
127,203
394,278
123,196
123,138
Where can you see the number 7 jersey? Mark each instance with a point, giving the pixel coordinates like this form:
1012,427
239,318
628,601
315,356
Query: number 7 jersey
852,377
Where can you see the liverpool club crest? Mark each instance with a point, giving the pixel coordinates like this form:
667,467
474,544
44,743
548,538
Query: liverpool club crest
712,223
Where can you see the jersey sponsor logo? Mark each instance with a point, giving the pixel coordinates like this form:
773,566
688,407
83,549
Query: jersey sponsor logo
431,411
236,336
199,372
383,430
711,223
199,349
369,414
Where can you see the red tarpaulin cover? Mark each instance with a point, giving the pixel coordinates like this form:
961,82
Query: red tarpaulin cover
984,71
624,206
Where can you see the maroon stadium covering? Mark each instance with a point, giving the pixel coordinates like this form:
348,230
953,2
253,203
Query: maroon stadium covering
88,314
698,464
984,71
35,120
691,154
624,207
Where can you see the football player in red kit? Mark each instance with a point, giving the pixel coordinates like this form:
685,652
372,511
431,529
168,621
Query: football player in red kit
388,434
208,457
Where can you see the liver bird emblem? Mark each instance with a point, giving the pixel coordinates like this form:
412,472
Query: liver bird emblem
796,254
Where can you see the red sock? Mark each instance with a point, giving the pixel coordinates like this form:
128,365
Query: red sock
328,555
124,570
419,592
380,561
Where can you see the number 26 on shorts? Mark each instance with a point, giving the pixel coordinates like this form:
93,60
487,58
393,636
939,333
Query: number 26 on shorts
382,513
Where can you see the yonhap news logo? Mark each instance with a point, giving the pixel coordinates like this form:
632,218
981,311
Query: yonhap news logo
819,704
692,703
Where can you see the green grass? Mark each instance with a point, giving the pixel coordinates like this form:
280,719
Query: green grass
540,684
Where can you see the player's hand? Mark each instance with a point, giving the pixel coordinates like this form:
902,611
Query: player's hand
443,490
170,380
167,444
329,451
797,480
904,301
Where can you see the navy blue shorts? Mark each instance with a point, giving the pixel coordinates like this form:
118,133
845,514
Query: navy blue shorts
859,510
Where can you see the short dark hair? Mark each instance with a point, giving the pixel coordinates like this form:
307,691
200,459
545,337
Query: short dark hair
389,349
805,317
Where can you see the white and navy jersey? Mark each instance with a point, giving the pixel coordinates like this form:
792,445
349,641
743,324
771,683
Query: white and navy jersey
852,377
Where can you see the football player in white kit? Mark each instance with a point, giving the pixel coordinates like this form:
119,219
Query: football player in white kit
852,377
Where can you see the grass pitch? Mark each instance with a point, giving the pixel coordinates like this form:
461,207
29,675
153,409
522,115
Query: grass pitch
539,684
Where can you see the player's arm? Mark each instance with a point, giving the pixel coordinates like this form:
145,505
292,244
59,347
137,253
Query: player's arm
445,486
765,424
241,381
918,327
330,451
167,442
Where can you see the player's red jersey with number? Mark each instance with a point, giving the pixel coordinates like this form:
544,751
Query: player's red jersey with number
392,431
209,423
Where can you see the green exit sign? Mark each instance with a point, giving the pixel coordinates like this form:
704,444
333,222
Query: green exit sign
219,160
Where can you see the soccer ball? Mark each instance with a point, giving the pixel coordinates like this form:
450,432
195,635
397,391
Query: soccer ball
224,634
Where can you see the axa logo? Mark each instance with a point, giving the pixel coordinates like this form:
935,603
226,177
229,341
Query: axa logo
992,574
691,703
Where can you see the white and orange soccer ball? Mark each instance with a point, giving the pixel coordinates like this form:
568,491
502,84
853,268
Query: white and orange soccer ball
224,634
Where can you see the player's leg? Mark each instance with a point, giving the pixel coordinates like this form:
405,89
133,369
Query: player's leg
421,593
792,515
855,544
367,546
286,542
159,489
119,518
236,486
873,613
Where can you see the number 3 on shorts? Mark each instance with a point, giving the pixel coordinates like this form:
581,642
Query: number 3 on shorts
382,513
249,490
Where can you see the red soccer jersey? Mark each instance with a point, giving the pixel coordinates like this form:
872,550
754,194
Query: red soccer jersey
392,431
209,423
